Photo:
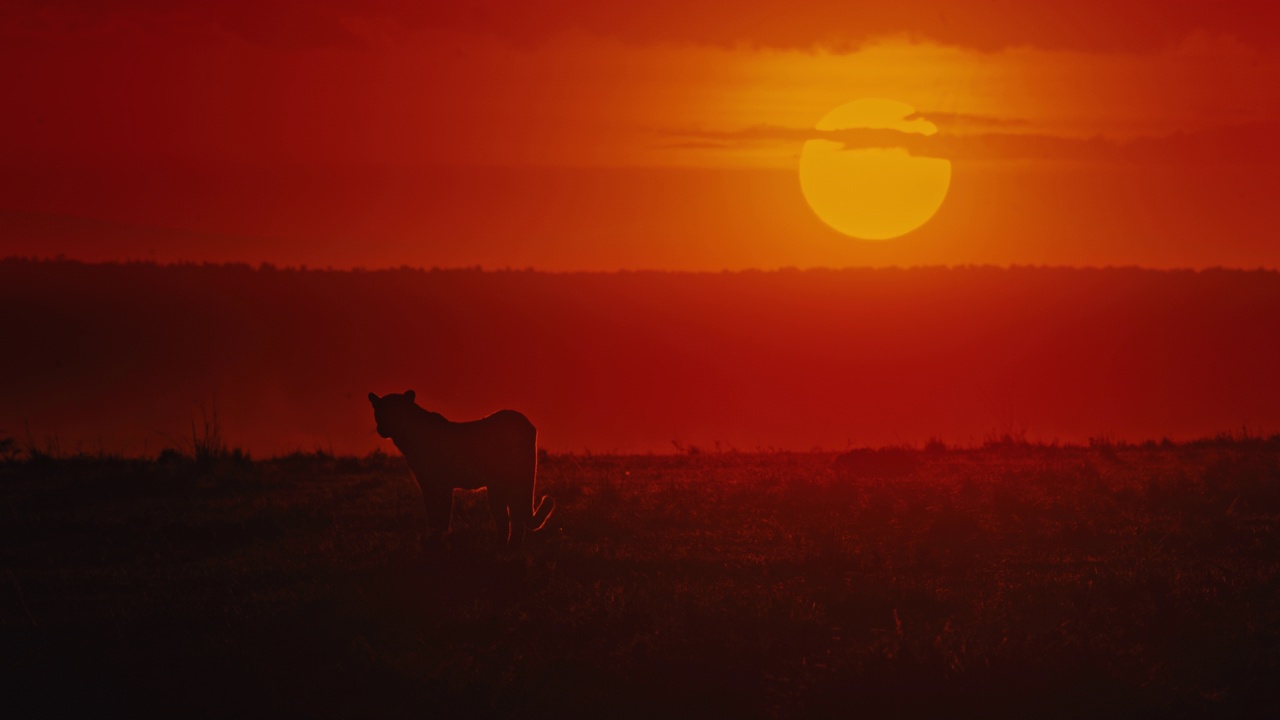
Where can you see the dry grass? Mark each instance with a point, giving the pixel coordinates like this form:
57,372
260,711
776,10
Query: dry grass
1011,581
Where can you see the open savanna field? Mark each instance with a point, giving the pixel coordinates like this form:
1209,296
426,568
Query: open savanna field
1010,580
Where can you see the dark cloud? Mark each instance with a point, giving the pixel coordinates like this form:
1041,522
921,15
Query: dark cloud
699,145
1100,25
965,120
1257,142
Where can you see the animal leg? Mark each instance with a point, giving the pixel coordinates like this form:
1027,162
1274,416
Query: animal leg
516,539
439,504
498,506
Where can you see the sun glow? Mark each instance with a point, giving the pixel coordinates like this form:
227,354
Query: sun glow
872,193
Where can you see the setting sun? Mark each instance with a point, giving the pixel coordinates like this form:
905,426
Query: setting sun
872,192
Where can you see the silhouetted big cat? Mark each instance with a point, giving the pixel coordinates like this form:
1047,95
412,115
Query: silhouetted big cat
498,452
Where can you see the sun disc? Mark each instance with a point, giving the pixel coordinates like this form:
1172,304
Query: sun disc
872,193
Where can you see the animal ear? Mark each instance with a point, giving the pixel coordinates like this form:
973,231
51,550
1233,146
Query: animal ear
373,398
408,395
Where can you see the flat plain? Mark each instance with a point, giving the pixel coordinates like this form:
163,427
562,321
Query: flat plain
1008,580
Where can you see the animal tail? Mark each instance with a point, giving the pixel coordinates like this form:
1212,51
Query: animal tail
546,503
541,513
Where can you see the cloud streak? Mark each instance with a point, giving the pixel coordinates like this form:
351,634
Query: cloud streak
1257,142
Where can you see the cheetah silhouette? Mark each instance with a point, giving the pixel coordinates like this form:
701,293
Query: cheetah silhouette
497,452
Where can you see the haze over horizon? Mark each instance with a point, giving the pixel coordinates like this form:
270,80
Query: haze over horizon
122,358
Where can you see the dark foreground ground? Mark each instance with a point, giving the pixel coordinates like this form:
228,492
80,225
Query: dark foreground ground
1010,581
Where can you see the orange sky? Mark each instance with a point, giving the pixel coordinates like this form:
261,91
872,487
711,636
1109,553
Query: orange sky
586,135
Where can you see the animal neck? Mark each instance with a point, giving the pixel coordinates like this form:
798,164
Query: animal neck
406,439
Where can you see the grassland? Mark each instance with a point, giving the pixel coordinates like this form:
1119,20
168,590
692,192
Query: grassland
1006,581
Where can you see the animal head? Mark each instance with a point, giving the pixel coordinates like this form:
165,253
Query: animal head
392,412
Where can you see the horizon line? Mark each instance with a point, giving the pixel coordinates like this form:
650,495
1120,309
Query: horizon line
61,259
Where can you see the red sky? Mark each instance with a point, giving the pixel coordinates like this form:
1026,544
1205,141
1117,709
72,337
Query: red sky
585,135
576,135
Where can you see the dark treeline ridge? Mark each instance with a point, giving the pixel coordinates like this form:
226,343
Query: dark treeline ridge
121,357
